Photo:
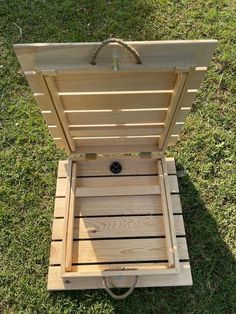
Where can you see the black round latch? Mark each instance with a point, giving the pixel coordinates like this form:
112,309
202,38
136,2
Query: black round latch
115,167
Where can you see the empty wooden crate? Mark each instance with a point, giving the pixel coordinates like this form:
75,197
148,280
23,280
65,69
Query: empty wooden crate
115,107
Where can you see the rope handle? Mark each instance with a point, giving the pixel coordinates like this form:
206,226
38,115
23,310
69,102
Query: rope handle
122,296
132,50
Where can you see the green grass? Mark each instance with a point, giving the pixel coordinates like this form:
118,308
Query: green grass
207,150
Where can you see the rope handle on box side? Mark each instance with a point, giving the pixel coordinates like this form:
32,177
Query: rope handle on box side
132,50
122,296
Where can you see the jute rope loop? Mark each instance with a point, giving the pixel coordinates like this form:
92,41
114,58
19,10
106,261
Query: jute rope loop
132,50
122,296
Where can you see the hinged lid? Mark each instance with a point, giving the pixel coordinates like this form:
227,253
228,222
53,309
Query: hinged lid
104,101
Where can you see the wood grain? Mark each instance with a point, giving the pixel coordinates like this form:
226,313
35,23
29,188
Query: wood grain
116,227
55,282
117,205
106,251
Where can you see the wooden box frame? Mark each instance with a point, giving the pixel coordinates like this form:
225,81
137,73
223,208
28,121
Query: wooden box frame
115,106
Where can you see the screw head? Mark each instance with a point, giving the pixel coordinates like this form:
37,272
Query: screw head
115,167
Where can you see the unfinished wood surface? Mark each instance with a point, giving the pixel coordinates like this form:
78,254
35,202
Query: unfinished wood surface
117,181
96,233
130,166
51,85
107,251
117,141
69,228
115,117
166,218
96,96
55,282
106,131
118,82
52,109
116,227
156,99
117,205
169,224
61,187
156,54
117,190
65,214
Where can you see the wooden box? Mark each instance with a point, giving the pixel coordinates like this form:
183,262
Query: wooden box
115,107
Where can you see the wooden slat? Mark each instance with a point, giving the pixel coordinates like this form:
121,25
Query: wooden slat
117,205
61,186
118,149
82,86
141,130
115,81
95,251
117,191
115,141
115,227
115,131
130,165
170,225
154,54
134,101
117,181
54,118
116,102
69,227
166,218
175,104
111,271
115,117
59,109
55,281
66,216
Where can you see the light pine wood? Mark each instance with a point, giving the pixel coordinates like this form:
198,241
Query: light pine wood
60,190
122,130
96,96
117,181
175,101
116,141
92,109
95,251
116,102
154,54
115,117
107,186
55,118
65,215
117,205
69,228
118,190
130,166
51,84
55,282
114,271
116,227
118,82
113,228
168,214
166,218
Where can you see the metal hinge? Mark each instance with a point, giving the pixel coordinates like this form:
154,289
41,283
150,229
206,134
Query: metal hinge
145,154
91,156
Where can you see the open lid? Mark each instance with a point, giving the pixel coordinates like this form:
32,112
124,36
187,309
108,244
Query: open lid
115,97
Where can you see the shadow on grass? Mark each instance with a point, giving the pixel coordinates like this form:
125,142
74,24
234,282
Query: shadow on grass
213,269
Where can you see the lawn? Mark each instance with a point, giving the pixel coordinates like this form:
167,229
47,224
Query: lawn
206,151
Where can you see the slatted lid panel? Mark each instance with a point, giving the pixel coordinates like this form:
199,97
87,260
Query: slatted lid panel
139,107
